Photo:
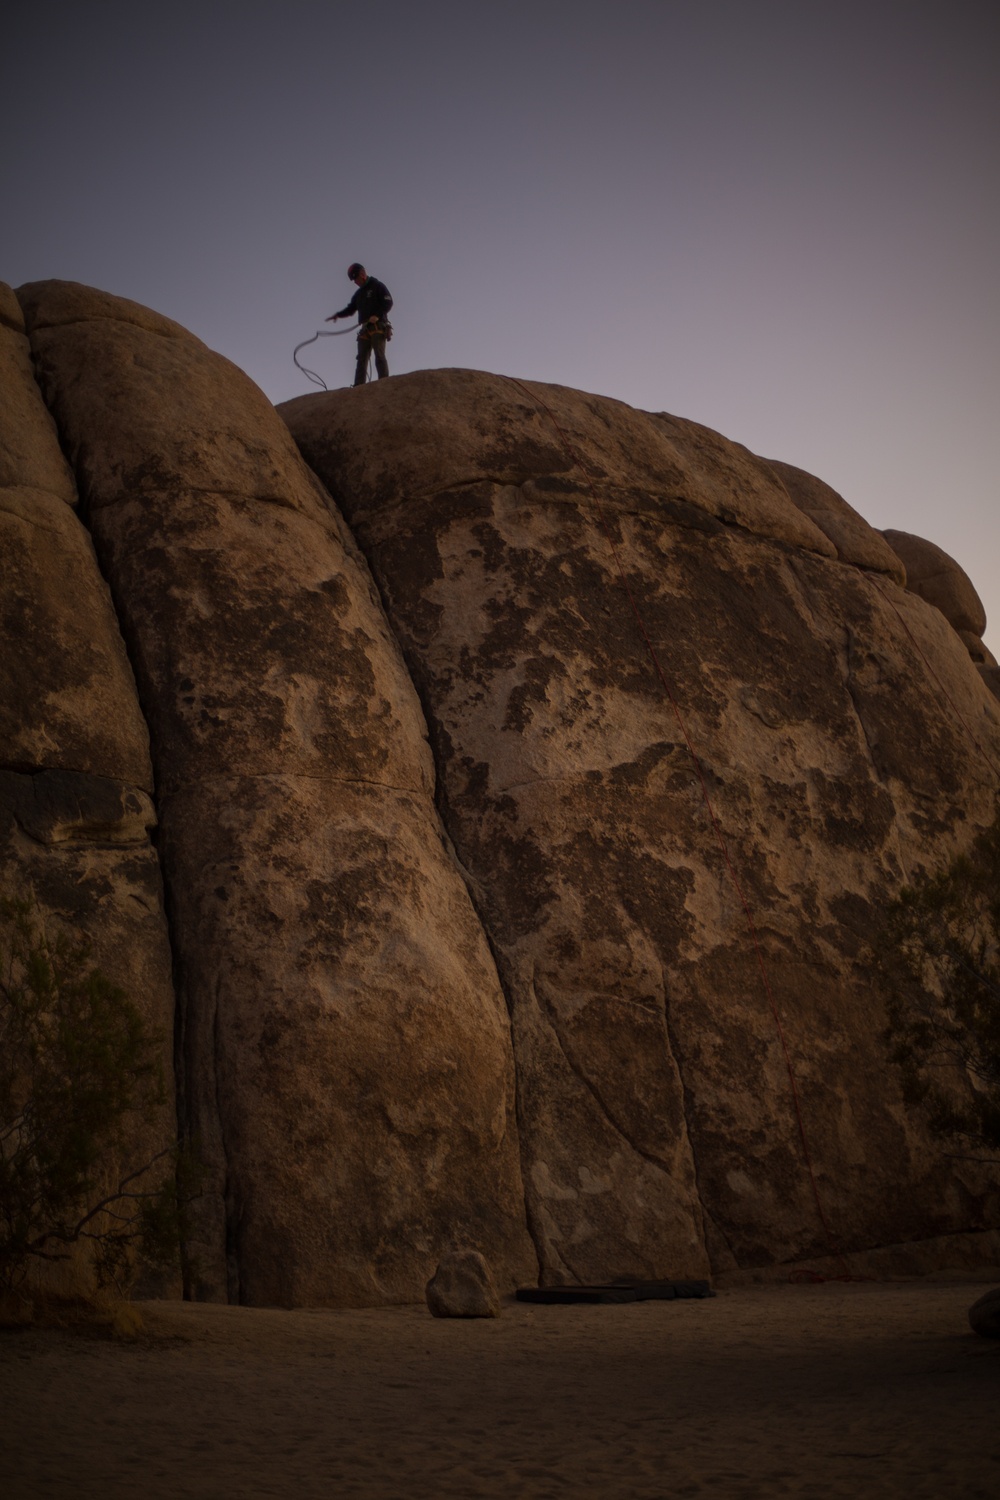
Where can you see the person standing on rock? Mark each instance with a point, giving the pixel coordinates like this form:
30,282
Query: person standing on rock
371,302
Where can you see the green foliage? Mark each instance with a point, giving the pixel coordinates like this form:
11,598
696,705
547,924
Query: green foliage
938,966
77,1062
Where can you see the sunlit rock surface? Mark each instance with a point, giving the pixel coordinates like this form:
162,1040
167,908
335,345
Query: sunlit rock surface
531,543
524,811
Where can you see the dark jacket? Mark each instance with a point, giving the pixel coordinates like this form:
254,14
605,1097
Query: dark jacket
371,300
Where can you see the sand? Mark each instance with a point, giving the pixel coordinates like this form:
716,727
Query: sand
855,1390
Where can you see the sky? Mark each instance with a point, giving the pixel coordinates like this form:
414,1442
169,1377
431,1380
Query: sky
779,219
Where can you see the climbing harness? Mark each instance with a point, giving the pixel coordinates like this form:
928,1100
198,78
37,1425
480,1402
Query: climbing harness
717,830
367,336
321,333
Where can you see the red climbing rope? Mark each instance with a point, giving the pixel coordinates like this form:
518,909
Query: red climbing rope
720,839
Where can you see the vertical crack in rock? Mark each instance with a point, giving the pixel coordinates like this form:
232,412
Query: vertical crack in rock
588,1085
476,897
440,797
230,1186
849,683
709,1228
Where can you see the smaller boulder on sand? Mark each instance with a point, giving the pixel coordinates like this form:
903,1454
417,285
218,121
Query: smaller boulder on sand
463,1287
984,1315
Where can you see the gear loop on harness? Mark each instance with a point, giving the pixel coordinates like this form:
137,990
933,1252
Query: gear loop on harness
321,333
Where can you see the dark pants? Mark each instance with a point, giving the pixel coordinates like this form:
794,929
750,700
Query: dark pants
369,342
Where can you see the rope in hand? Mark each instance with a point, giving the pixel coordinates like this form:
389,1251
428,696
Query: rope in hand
321,333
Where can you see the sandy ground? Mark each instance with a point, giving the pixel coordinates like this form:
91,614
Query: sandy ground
851,1390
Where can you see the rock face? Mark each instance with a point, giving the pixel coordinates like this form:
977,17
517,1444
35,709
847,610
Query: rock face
345,1048
76,812
511,527
856,542
936,577
523,812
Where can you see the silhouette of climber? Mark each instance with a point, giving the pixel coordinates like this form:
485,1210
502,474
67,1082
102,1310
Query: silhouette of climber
371,302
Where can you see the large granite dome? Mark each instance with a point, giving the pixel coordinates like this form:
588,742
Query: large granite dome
528,776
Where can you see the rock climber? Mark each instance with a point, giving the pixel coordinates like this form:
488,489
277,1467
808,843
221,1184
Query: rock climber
371,302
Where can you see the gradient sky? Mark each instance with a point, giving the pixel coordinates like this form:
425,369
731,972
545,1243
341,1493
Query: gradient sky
779,219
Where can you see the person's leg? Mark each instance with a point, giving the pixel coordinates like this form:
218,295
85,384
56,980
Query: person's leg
364,354
381,363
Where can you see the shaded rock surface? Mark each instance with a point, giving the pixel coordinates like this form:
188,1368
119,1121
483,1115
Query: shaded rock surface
977,649
659,1134
935,576
68,695
463,1287
76,814
856,542
344,1043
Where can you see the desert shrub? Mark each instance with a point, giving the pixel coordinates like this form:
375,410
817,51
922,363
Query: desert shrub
937,963
77,1065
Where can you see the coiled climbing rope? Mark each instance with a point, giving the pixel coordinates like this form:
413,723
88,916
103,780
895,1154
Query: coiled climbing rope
321,333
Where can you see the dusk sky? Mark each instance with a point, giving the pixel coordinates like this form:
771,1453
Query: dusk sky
779,219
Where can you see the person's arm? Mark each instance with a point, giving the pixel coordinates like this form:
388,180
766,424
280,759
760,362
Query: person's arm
345,312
